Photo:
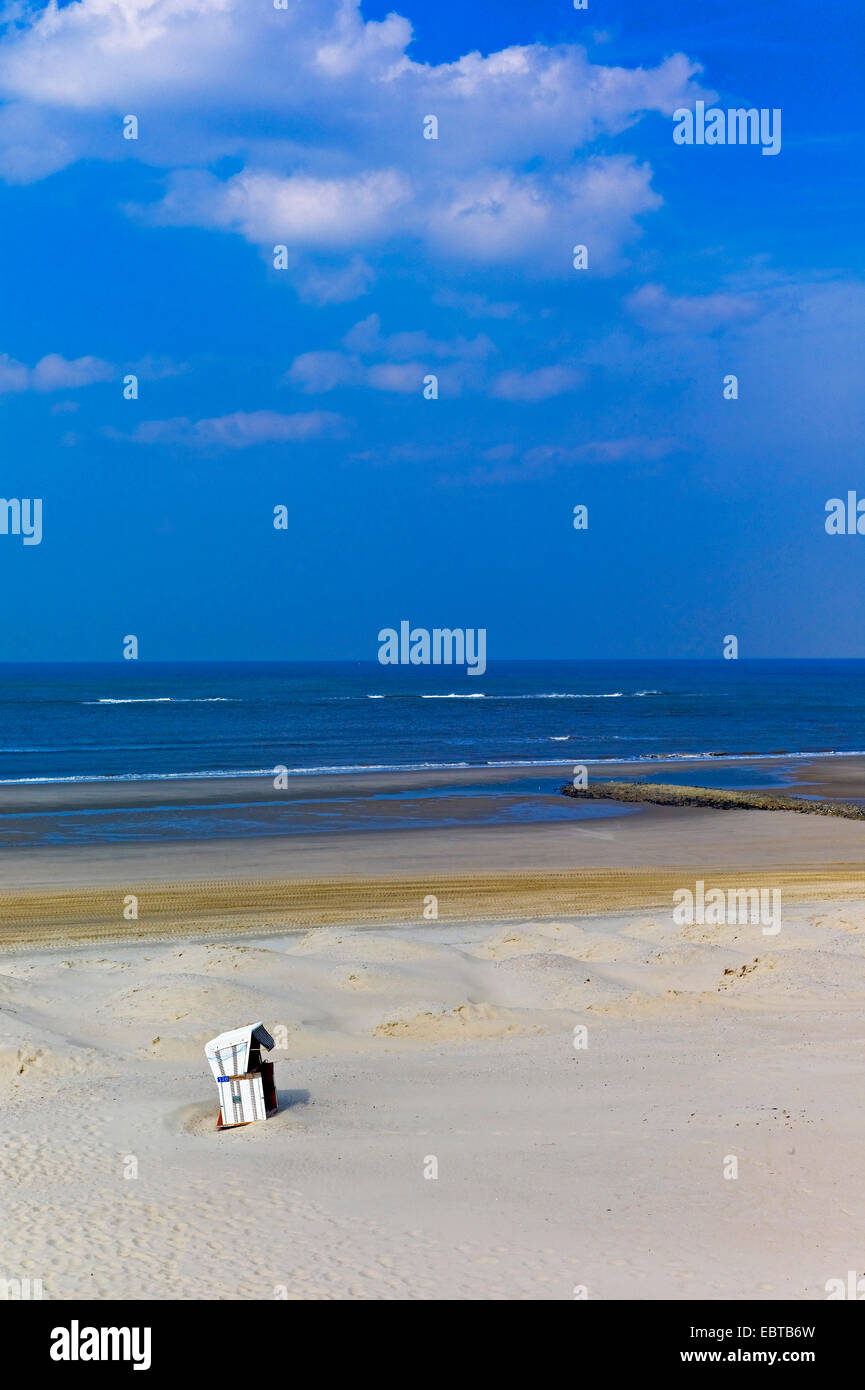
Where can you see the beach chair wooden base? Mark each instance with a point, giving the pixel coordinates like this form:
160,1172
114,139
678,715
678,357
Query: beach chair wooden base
241,1124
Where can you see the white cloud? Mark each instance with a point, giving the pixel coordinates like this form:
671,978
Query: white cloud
297,211
410,356
325,284
544,459
404,377
14,376
654,308
801,372
315,372
158,368
324,110
494,217
538,385
242,430
474,306
53,373
366,337
320,60
535,220
635,447
318,372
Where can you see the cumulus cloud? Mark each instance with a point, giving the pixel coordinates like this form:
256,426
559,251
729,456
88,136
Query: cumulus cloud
53,373
295,211
316,372
538,385
409,357
323,111
534,220
366,337
323,63
334,284
493,217
404,377
654,308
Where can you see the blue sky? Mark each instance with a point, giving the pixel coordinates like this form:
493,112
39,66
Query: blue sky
303,386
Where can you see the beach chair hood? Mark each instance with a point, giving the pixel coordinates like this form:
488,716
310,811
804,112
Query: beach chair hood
229,1053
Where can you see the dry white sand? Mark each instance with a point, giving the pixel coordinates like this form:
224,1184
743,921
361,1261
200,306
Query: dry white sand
557,1168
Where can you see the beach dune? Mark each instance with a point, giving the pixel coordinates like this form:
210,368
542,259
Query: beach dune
440,1134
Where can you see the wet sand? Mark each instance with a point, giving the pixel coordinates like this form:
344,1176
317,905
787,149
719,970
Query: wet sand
821,776
631,859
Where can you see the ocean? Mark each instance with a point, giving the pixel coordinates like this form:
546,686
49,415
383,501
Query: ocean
131,722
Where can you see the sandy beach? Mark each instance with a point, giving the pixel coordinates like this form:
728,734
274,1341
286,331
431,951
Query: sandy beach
434,644
407,1045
